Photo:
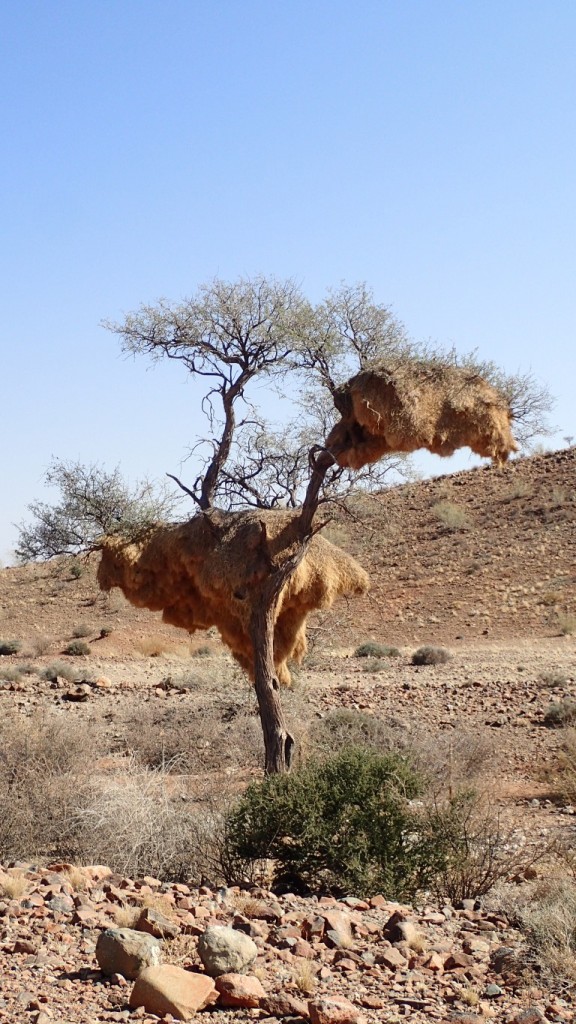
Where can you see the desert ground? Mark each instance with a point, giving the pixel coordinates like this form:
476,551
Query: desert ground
481,564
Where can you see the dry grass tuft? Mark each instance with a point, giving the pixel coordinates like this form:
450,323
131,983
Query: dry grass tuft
13,885
304,977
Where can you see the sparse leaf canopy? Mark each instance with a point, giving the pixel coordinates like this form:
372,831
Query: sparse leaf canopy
92,502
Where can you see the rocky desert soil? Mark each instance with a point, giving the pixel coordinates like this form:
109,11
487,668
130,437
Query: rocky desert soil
481,563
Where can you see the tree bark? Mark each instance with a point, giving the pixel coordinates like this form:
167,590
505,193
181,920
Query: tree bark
278,741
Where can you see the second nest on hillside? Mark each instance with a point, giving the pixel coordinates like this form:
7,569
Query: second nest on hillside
419,404
210,572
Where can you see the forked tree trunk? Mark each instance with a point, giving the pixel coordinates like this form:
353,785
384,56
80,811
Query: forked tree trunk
278,741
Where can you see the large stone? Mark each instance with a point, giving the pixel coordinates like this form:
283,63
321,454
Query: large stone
224,950
126,951
242,990
155,923
170,989
334,1010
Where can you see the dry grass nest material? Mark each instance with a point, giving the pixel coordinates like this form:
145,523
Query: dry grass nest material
210,571
412,405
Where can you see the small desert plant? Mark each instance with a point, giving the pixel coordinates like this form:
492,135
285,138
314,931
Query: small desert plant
26,668
13,885
371,649
40,645
58,670
154,646
565,782
8,647
561,714
339,825
546,914
431,656
45,776
474,851
201,652
304,977
10,674
452,516
519,489
81,630
77,649
552,680
105,631
566,622
76,570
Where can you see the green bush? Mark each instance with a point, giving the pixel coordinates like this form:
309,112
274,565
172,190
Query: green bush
339,825
10,646
374,650
77,648
430,656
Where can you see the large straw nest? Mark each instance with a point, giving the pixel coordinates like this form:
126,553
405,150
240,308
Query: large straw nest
409,405
210,570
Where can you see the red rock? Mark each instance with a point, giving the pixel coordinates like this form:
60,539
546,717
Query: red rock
530,1016
435,963
284,1006
392,959
170,989
334,1010
242,990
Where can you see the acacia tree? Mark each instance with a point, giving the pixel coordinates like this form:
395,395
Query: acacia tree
237,334
260,331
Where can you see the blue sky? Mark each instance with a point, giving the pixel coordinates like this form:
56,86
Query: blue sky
427,147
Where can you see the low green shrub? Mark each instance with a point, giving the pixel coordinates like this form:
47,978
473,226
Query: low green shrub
374,650
431,656
339,825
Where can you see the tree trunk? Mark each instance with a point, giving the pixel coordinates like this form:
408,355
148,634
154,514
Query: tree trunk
278,742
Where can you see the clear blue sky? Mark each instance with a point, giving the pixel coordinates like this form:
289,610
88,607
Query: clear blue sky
425,146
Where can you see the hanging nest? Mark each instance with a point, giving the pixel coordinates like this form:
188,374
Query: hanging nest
418,404
210,571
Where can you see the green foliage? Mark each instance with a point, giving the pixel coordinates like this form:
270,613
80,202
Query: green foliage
92,502
431,656
339,825
77,648
371,649
8,647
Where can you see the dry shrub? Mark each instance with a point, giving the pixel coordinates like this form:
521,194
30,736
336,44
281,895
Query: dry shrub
431,656
453,517
210,571
137,823
565,781
155,646
45,775
475,850
546,914
405,405
447,761
305,977
13,884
